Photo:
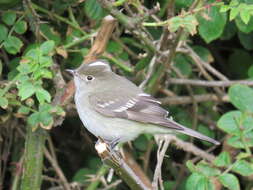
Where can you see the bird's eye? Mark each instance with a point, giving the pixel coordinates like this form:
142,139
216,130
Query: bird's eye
89,78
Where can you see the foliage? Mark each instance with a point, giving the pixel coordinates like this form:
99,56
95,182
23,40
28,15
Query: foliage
196,40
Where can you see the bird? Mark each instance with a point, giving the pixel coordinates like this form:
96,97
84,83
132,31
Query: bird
113,108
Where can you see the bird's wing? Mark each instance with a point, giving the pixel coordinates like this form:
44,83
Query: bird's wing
138,107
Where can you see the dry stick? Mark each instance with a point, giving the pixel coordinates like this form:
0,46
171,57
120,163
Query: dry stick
115,161
57,169
209,83
188,100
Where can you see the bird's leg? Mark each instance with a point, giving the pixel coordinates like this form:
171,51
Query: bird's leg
114,143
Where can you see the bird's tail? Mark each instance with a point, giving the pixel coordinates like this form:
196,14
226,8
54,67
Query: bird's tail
181,129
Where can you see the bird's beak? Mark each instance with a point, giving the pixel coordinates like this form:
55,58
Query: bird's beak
72,72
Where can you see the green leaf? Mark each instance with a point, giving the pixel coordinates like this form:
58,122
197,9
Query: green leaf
235,141
198,182
183,64
206,170
81,176
46,120
250,72
222,160
93,9
33,120
229,31
47,47
3,32
43,95
246,28
233,13
243,167
24,110
50,33
241,96
9,17
212,29
245,16
239,62
3,102
26,90
230,181
246,40
20,27
228,123
13,45
191,166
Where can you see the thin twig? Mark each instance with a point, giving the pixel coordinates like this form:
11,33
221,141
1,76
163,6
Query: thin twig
188,100
57,169
209,83
163,144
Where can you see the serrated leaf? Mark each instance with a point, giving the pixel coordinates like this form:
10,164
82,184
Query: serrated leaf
235,141
243,167
47,47
228,123
233,13
246,40
241,96
213,28
224,8
50,33
20,27
33,120
13,45
43,95
3,102
46,120
3,32
198,182
26,90
24,110
206,170
81,176
245,16
246,28
230,181
222,160
9,17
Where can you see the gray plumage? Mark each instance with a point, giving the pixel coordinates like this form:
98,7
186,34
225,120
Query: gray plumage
114,108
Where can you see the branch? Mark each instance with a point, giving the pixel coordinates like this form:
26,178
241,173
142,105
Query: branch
209,83
33,159
189,147
188,99
115,161
57,169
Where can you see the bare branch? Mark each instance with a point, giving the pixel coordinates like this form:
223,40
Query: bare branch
188,99
209,83
115,161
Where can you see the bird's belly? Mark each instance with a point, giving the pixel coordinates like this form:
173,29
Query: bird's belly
108,128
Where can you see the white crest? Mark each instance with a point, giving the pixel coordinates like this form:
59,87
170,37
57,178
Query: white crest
98,63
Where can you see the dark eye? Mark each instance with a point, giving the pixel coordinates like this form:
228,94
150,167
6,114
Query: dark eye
89,77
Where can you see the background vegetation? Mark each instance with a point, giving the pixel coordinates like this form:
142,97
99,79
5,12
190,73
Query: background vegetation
195,56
